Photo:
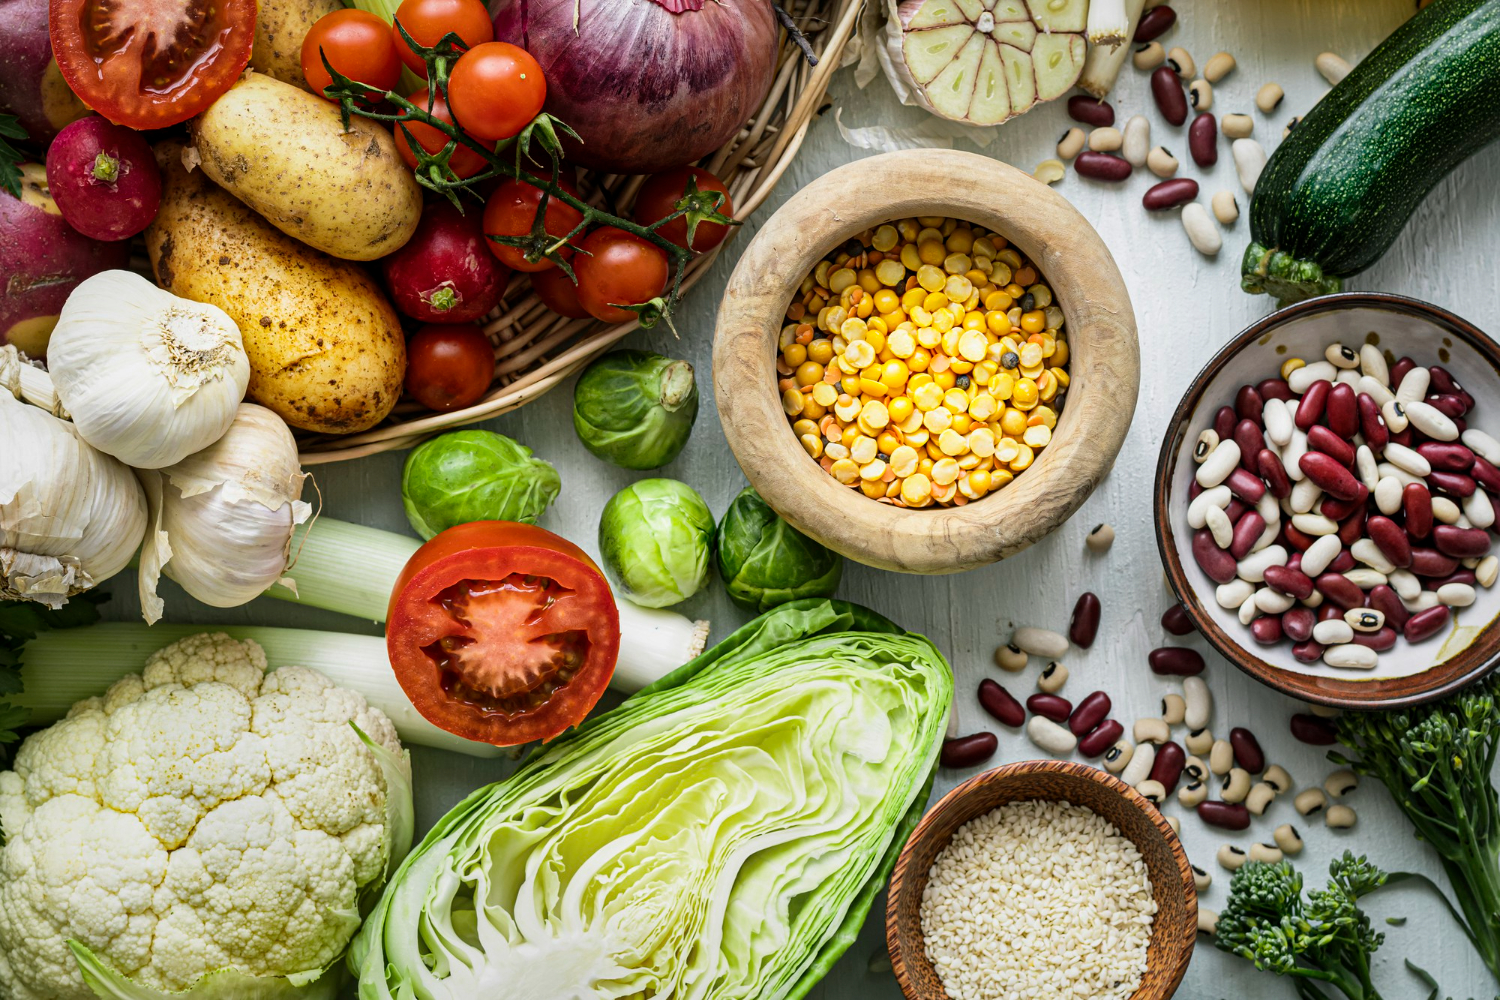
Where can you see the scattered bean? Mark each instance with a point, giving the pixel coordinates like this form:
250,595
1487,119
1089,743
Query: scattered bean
1200,95
969,751
1101,166
1269,97
1177,621
1170,194
1246,750
1173,709
1118,757
1231,858
1136,144
1139,767
1175,661
1341,783
1237,126
1249,161
1100,539
1333,67
1191,795
1203,136
1050,736
1106,140
1000,704
1277,777
1200,229
1221,757
1052,678
1200,703
1071,143
1268,853
1050,171
1161,162
1261,795
1105,735
1225,815
1089,713
1208,921
1201,879
1010,658
1040,642
1168,766
1332,632
1152,791
1199,741
1487,571
1051,706
1166,89
1175,824
1195,769
1219,65
1090,111
1288,839
1236,785
1149,56
1340,817
1310,801
1313,730
1154,23
1227,211
1084,625
1181,63
1150,730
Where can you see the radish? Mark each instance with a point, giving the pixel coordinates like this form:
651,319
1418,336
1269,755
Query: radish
445,273
42,259
104,179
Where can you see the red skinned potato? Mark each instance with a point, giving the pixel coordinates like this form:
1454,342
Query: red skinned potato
104,179
445,273
31,88
42,259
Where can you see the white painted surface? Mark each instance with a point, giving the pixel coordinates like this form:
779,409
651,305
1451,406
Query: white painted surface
1186,306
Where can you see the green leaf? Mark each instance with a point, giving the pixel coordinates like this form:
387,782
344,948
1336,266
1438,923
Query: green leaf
10,156
20,622
109,983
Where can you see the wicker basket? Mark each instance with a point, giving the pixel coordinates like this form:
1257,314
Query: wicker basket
535,349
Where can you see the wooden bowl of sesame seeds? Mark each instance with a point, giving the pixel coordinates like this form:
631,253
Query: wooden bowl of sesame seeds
1104,367
1174,925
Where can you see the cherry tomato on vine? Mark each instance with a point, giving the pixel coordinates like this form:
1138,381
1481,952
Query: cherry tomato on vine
357,44
616,268
495,90
449,366
658,199
511,211
558,293
150,79
464,161
427,21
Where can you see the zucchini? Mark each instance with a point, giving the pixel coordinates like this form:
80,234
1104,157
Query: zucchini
1340,188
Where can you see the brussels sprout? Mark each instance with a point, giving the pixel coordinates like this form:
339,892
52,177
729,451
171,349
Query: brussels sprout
765,562
635,409
655,537
474,476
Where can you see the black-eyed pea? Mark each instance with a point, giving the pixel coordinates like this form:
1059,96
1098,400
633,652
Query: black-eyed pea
1161,162
1153,792
1340,817
1100,539
1173,709
1149,56
1226,208
1219,65
1231,858
1221,757
1268,853
1052,678
1201,742
1071,143
1189,796
1117,757
1260,797
1151,731
1310,801
1236,786
1269,97
1201,95
1106,140
1208,920
1201,879
1288,839
1341,783
1175,824
1011,658
1181,63
1195,769
1237,126
1277,777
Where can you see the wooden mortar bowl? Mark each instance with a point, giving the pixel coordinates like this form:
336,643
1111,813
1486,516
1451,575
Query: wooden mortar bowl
1174,930
1104,363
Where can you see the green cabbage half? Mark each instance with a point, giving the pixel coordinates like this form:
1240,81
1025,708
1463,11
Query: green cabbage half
722,834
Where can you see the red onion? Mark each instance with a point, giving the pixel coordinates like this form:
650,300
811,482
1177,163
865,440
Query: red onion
647,84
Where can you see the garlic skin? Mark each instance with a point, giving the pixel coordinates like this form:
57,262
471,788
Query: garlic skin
70,516
222,519
147,377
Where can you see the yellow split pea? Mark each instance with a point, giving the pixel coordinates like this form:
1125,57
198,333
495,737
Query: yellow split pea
924,363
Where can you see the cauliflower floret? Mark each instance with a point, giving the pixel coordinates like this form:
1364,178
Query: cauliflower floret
198,816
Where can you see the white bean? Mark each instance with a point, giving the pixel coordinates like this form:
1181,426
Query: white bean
1367,552
1455,595
1398,455
1424,600
1291,455
1414,385
1305,496
1267,535
1376,390
1230,596
1200,229
1372,363
1040,642
1315,524
1318,371
1349,377
1273,602
1223,529
1139,768
1405,583
1313,600
1431,421
1249,611
1402,476
1351,655
952,731
1253,566
1278,422
1445,511
1137,140
1366,579
1333,632
1394,415
1216,496
1050,736
1368,468
1479,510
1482,444
1268,507
1388,492
1200,702
1219,464
1486,572
1320,553
1249,161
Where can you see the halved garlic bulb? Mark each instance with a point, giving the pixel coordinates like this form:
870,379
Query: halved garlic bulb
222,519
147,377
983,61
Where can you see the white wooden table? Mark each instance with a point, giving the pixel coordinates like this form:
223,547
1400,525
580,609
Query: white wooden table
1186,306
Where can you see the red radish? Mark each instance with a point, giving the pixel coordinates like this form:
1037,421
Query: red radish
104,179
445,273
42,259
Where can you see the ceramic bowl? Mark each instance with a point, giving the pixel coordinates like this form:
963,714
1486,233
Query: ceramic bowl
1174,930
1409,673
1104,365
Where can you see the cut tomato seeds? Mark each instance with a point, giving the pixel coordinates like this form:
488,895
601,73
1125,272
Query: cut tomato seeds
924,362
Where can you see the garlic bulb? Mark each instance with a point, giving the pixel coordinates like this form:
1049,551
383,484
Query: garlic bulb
70,516
147,377
222,519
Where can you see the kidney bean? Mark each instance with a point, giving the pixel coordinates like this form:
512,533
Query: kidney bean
1461,543
1082,108
1310,408
1170,194
1402,437
967,751
1385,600
1454,484
1194,488
1166,88
1391,539
1322,439
1371,423
1247,532
1340,591
1273,473
1175,661
1051,706
1001,704
1297,624
1235,510
1442,379
1313,729
1203,140
1154,23
1177,621
1246,485
1225,815
1343,410
1103,736
1342,563
1416,503
1296,538
1332,476
1338,509
1167,767
1400,369
1084,625
1379,641
1425,624
1462,576
1485,475
1352,528
1247,751
1089,713
1218,564
1266,630
1247,434
1448,455
1431,563
1101,166
1308,651
1452,407
1274,388
1290,581
1224,420
1294,561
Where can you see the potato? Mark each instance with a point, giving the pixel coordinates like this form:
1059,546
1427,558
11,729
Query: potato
280,26
285,153
326,349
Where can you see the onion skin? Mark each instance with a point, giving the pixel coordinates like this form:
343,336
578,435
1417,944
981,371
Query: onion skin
647,89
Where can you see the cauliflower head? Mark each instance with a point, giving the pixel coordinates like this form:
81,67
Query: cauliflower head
202,815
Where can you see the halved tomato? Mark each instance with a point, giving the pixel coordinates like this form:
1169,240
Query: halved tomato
151,63
502,633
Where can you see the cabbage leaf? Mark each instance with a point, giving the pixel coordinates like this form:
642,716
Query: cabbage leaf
722,834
